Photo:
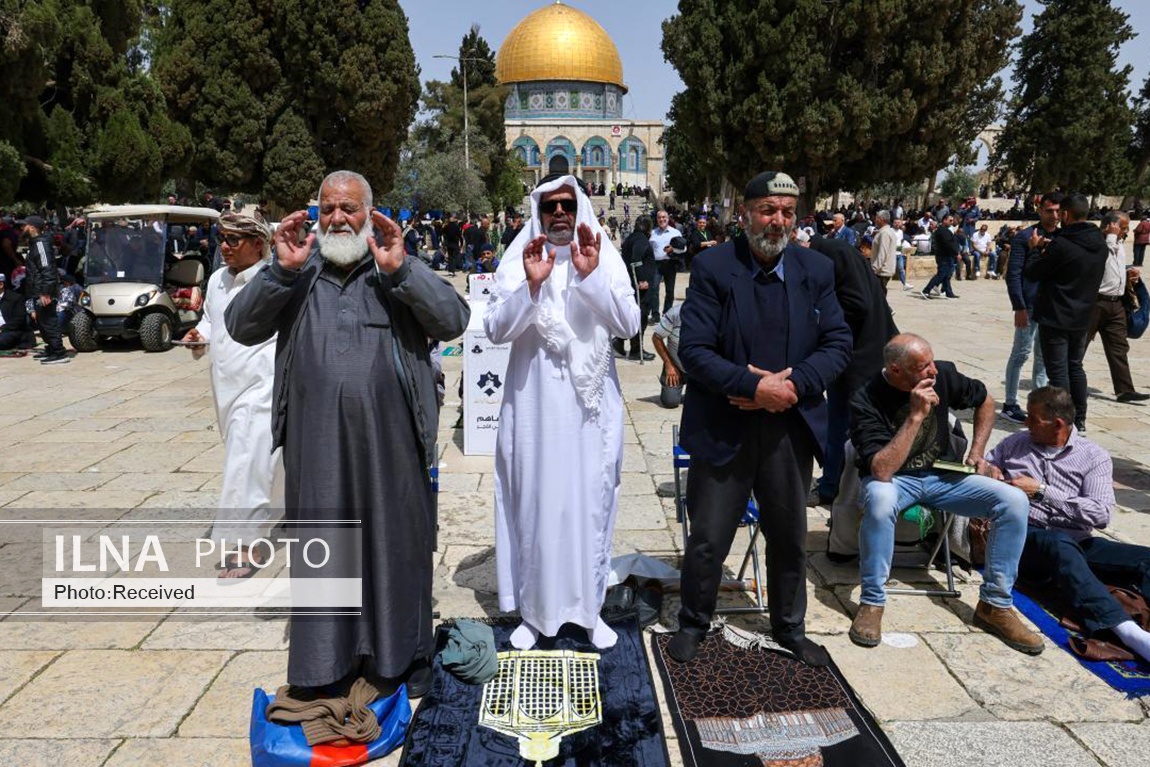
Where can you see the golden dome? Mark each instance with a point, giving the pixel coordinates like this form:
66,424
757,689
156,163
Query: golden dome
558,42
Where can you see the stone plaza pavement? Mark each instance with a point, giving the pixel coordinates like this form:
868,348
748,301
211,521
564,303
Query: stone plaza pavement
121,429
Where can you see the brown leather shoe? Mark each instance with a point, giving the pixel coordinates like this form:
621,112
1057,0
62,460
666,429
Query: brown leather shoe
866,629
1004,624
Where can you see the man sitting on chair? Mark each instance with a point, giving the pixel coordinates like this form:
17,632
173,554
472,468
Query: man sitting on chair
899,429
1070,483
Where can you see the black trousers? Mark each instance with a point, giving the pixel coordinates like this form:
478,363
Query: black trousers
775,461
1063,352
49,327
1076,568
667,271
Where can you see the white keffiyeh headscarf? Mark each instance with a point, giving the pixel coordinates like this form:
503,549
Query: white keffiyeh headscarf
567,326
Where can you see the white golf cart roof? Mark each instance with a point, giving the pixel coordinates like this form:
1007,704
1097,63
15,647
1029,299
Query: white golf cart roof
173,213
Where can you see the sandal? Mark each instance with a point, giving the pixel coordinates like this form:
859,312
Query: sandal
235,570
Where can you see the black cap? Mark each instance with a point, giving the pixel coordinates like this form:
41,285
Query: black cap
34,221
770,183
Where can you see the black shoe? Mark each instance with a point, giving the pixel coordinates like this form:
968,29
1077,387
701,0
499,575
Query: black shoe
952,295
419,679
1081,426
1132,396
841,559
1013,413
808,652
634,356
684,645
56,359
617,347
41,354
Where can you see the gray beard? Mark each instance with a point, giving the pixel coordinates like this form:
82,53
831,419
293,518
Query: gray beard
763,246
341,250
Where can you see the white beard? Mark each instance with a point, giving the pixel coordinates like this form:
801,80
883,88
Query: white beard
340,249
762,245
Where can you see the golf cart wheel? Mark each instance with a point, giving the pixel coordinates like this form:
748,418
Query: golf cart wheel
82,332
156,333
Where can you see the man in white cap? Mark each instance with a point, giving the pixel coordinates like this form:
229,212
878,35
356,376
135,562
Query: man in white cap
561,293
762,336
251,496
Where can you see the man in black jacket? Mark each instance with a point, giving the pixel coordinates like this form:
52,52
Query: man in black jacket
1068,269
1022,293
639,258
945,257
866,311
44,288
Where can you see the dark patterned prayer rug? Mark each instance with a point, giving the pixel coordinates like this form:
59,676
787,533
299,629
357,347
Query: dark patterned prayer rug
446,730
741,704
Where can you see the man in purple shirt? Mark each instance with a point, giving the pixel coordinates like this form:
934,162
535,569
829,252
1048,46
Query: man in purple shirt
1070,483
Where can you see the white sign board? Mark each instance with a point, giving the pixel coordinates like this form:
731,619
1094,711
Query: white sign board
484,374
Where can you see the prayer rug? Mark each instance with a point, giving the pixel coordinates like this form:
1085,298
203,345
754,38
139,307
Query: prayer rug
550,687
1131,677
741,703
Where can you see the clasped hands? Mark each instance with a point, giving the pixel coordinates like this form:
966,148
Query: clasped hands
775,392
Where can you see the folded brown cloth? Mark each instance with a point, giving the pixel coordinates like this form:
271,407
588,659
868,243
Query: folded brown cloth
1098,649
326,718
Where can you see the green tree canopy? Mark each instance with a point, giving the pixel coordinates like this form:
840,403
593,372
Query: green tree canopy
842,94
443,101
73,87
1067,123
337,81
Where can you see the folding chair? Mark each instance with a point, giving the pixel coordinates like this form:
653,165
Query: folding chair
941,545
682,460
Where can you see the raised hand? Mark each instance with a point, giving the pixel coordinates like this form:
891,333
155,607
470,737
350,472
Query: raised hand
585,250
390,255
289,252
537,263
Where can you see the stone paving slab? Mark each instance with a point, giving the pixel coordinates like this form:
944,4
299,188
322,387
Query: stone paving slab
139,694
882,676
40,752
220,712
178,633
987,744
186,752
18,667
1116,745
1004,682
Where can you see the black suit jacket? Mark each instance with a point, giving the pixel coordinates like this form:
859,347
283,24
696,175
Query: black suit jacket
945,245
865,309
719,322
15,311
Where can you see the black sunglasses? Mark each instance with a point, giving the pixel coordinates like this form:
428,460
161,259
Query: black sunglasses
233,240
568,206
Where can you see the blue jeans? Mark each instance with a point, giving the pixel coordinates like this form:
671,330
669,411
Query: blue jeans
992,261
1024,340
900,268
968,495
834,447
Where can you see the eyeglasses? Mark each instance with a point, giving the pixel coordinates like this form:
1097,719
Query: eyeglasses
568,206
234,240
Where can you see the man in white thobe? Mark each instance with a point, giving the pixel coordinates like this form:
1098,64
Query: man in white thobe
561,294
251,497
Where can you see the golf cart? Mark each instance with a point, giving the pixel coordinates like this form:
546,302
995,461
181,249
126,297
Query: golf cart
144,276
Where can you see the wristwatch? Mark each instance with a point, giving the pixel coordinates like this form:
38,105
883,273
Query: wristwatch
1040,493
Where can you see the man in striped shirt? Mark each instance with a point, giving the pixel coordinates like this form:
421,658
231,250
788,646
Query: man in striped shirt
1069,481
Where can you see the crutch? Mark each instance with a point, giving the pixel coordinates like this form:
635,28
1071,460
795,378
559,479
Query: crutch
635,276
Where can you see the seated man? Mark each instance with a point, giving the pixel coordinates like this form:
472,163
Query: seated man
665,339
1070,482
899,429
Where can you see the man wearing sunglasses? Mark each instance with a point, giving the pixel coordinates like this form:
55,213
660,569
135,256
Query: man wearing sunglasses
355,411
560,296
251,495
